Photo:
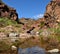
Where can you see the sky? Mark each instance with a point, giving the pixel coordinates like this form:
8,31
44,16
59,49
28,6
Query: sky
28,8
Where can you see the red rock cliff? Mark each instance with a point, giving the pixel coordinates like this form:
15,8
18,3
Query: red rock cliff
6,11
52,14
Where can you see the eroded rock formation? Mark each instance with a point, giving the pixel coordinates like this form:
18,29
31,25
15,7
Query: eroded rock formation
9,12
52,14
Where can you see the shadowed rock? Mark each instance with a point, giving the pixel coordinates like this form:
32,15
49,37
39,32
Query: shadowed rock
8,12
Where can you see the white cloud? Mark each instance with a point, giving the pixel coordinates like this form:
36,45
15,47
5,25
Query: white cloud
38,16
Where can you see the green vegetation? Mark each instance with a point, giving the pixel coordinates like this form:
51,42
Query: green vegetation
40,30
1,30
52,40
6,22
42,24
4,46
16,43
55,30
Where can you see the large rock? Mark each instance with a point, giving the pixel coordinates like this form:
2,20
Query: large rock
9,12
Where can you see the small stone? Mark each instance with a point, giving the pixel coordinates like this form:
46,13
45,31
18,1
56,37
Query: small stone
53,50
13,47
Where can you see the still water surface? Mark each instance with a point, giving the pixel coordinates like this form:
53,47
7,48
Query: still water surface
33,50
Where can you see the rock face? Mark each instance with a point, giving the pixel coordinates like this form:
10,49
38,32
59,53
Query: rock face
52,14
6,11
51,18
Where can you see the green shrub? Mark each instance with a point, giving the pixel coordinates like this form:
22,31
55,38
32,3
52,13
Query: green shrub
42,24
4,46
6,21
16,43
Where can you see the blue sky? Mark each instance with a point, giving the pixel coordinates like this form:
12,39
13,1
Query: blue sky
28,8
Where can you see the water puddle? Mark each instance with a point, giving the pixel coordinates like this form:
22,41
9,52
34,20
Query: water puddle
33,50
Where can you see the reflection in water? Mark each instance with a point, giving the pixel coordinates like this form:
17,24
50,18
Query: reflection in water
33,50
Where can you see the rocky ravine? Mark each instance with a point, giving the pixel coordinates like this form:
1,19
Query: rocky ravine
44,32
51,17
